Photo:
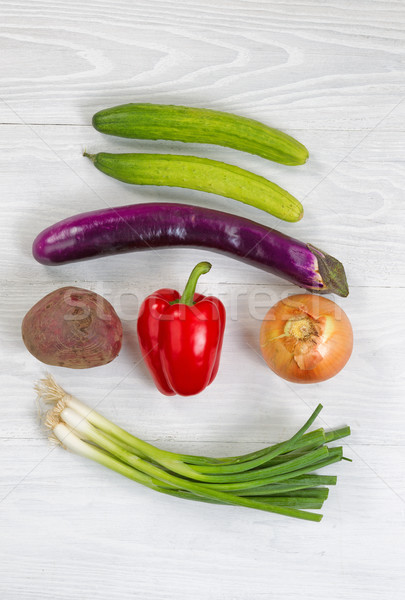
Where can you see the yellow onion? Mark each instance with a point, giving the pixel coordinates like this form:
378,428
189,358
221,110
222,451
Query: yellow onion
306,338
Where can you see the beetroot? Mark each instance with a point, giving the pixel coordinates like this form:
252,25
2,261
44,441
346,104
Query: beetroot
73,327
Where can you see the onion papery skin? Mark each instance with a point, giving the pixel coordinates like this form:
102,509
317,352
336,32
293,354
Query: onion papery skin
306,338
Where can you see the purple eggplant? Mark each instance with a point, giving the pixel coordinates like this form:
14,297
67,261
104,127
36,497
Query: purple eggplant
162,225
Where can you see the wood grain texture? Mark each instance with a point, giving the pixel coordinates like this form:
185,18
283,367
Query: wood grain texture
90,540
332,75
278,59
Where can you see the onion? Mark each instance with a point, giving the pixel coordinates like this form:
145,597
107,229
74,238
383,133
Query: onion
306,338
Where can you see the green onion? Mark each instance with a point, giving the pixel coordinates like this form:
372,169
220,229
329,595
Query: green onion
278,478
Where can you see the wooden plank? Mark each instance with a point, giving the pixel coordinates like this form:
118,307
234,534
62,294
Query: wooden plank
87,528
293,64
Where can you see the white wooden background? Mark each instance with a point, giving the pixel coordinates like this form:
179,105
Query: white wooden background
331,74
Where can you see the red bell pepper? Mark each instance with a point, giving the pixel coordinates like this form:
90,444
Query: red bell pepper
181,337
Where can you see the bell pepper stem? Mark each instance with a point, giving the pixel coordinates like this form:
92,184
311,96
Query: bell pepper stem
189,291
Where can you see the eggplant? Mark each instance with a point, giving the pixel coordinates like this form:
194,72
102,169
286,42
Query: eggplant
163,225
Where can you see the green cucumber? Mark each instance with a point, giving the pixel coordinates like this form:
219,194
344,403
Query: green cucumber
200,125
200,174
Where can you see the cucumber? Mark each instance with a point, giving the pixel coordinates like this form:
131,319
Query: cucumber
200,125
200,174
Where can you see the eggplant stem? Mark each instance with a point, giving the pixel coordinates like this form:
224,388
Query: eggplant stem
332,272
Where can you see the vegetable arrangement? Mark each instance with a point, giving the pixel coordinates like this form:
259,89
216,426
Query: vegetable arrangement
304,338
200,174
181,337
162,225
276,479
